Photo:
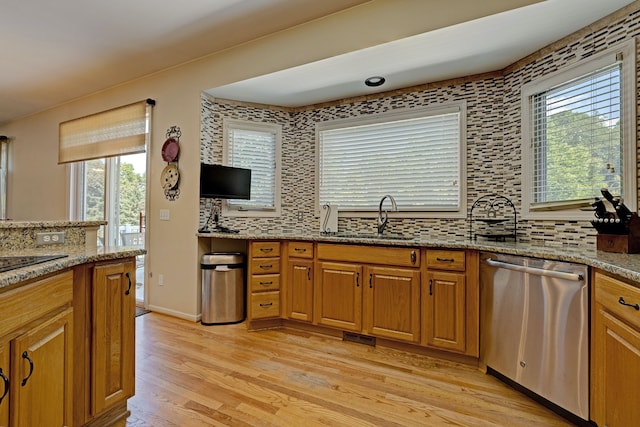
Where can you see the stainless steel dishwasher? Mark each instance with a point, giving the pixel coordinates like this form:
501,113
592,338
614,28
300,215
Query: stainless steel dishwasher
534,320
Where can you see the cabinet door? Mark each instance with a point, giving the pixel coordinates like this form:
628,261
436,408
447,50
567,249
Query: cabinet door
339,296
42,374
300,289
444,309
617,365
113,341
392,303
4,383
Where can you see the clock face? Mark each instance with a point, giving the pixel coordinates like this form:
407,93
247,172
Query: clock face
169,178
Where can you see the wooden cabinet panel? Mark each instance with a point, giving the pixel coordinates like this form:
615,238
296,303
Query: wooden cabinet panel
5,373
402,257
265,265
439,259
616,353
42,374
300,249
392,303
300,289
444,310
113,344
339,296
265,282
261,249
265,304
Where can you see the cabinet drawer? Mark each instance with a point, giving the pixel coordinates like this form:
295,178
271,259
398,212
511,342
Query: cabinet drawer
265,282
300,249
265,265
402,257
29,302
265,249
265,304
608,293
446,260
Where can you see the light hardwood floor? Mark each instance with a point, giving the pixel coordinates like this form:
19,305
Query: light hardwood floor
194,375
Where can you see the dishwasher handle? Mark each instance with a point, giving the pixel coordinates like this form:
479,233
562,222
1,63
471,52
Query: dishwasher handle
537,271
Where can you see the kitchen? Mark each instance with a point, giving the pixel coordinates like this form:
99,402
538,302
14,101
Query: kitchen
183,300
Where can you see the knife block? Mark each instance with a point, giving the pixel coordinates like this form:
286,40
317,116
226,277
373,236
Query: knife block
628,243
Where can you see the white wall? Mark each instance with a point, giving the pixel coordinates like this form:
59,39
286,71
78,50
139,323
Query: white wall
38,185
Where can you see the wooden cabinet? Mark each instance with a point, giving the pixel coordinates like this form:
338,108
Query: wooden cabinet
392,303
450,301
113,340
42,374
615,360
375,291
264,277
339,296
300,274
36,353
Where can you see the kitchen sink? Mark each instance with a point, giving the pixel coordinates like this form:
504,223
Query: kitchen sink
8,263
374,236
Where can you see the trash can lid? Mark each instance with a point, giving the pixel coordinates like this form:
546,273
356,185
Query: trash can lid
217,258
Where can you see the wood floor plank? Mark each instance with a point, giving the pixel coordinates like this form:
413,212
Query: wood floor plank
188,374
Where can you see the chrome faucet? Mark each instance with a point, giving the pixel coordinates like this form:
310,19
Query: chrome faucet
382,222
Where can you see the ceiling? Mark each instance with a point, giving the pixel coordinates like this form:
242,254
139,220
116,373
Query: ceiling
54,52
478,46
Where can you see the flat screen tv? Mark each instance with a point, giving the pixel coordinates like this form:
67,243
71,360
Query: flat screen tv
224,182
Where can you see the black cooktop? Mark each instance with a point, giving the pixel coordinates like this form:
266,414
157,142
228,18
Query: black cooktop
8,263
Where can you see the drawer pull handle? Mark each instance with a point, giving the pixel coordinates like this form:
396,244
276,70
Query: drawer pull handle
266,249
357,280
270,282
6,385
266,267
445,259
430,287
309,273
25,355
128,291
413,257
622,301
300,249
266,304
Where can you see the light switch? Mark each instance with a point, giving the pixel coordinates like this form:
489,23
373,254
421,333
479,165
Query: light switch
164,214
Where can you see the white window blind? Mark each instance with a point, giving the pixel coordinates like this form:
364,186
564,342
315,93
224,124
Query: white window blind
577,141
255,146
115,132
415,159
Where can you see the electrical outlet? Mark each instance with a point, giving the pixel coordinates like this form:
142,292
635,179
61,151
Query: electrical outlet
300,216
51,238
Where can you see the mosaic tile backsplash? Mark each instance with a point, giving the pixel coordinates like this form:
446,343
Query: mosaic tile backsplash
493,144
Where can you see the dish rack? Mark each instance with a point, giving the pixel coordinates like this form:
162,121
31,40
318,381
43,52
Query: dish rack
497,220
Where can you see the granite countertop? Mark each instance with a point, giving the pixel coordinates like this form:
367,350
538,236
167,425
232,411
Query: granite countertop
623,265
76,255
49,223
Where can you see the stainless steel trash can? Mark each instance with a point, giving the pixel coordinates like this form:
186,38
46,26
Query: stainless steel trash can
223,291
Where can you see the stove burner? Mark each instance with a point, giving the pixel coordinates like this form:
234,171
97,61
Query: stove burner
8,263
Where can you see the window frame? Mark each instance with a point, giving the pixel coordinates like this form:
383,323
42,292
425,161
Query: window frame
403,114
238,210
569,210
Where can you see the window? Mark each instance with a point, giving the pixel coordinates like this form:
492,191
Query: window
416,156
254,146
579,128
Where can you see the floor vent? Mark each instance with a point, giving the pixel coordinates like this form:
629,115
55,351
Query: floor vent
358,338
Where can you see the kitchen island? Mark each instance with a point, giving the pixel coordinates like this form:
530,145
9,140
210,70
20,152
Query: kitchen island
67,334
